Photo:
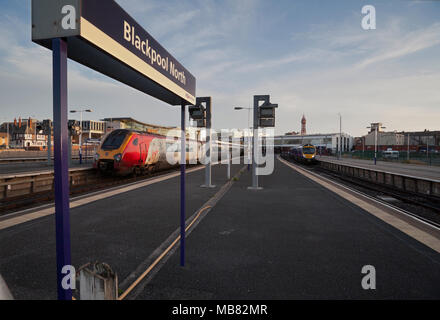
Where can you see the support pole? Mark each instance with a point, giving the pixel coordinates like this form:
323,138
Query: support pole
80,137
229,164
375,145
427,150
208,102
340,137
182,186
49,147
61,163
248,141
255,145
70,150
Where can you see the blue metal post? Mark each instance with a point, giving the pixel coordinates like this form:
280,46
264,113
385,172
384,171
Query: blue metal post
255,143
182,186
61,163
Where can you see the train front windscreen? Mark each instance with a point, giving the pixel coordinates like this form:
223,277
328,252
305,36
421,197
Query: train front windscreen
309,150
114,140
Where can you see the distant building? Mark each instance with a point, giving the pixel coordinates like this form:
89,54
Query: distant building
3,139
329,142
374,126
422,138
91,129
399,141
385,139
132,124
27,134
5,133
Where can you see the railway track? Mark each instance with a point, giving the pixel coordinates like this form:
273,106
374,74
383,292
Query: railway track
95,182
425,208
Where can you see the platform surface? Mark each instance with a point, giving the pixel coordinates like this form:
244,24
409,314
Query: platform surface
415,170
122,230
292,240
11,169
295,240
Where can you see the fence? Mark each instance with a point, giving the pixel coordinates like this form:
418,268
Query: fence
432,159
88,152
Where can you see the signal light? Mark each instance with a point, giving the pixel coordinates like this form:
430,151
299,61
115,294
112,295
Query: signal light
266,114
198,114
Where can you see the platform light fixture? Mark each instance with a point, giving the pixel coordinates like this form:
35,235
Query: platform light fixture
376,126
249,127
198,114
80,111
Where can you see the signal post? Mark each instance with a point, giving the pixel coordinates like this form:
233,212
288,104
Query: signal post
201,113
264,117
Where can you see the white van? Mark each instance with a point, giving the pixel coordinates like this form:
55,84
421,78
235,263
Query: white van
391,154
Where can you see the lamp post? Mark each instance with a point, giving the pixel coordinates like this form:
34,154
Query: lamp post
249,126
81,129
375,140
427,150
340,136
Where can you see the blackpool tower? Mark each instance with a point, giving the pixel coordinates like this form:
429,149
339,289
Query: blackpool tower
303,126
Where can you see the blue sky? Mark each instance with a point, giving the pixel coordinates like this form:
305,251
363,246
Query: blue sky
312,57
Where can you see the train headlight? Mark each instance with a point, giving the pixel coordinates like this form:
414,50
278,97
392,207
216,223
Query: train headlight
118,157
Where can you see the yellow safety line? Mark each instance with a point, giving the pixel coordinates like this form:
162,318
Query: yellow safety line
146,272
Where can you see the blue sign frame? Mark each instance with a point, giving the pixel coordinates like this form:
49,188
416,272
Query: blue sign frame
101,35
104,37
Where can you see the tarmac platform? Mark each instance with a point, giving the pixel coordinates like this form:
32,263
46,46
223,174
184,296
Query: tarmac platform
10,169
415,170
295,239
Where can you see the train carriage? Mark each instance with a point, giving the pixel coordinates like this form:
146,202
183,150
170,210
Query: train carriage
303,154
125,152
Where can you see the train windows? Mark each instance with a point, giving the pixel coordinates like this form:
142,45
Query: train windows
114,140
135,142
308,150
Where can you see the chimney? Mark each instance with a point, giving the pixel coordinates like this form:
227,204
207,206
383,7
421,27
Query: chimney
15,122
19,122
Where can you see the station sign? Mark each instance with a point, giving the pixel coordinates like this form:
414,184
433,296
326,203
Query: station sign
104,37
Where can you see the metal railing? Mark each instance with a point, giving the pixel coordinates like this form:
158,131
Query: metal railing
21,184
432,159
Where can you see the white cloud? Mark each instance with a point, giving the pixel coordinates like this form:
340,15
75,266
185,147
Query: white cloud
407,44
323,70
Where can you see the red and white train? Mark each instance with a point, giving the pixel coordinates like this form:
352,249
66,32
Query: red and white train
126,152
